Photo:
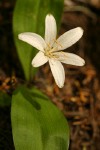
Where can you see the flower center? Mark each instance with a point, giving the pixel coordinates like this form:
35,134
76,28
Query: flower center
50,50
48,53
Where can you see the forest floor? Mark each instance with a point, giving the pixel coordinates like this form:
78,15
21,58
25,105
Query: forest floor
79,99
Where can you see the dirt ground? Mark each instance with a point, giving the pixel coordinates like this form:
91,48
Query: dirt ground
79,99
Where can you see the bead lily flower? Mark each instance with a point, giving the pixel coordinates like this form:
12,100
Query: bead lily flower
50,48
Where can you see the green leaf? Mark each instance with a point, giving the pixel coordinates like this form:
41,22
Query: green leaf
37,124
5,99
29,16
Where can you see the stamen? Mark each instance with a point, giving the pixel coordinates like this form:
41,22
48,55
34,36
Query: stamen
48,44
61,57
62,53
51,55
58,43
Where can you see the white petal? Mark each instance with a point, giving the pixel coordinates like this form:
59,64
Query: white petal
39,60
50,29
68,38
69,58
33,39
58,72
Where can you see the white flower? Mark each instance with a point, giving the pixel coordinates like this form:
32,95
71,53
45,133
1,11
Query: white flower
50,49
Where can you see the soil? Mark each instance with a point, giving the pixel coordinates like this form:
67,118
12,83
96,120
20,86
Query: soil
79,99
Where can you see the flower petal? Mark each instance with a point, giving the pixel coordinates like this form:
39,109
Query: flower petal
50,29
58,72
33,39
39,60
69,58
68,38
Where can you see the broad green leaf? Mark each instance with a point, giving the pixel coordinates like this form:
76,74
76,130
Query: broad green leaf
5,99
29,16
37,124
